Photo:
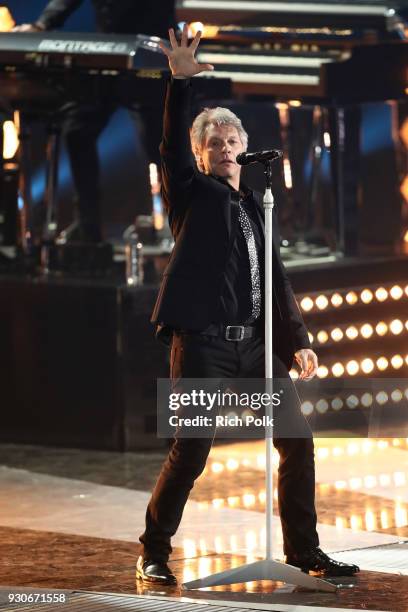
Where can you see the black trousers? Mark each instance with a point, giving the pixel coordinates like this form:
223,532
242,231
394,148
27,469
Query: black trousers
82,127
199,356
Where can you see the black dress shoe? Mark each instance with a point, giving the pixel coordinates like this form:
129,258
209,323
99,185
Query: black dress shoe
316,560
156,572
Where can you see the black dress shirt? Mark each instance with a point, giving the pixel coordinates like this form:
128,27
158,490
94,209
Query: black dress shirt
236,302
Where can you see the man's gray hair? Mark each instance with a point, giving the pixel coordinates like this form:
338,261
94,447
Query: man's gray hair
213,116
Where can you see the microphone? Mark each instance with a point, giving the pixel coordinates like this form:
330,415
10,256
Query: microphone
244,159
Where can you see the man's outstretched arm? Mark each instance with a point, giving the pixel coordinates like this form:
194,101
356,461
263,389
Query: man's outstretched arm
53,16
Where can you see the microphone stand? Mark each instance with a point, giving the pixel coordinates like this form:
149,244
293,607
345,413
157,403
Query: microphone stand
268,568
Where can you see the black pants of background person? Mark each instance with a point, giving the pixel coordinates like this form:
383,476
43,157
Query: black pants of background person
82,127
201,356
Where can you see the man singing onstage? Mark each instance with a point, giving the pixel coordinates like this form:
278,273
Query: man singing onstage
211,300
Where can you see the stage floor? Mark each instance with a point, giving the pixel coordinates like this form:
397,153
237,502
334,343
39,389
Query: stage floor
70,519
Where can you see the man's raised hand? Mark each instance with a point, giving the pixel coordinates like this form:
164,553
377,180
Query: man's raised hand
181,56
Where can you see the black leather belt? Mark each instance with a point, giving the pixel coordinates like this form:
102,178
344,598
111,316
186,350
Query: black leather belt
232,333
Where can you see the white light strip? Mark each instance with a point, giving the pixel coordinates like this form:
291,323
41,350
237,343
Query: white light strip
252,77
262,60
253,6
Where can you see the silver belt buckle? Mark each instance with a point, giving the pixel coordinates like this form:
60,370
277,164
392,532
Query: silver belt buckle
241,335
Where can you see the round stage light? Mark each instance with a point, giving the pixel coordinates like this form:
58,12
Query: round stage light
337,369
366,400
322,371
366,296
310,336
352,332
307,408
337,404
396,326
397,362
336,300
367,365
352,402
396,292
381,398
322,336
382,363
381,294
352,367
351,297
322,302
322,406
336,334
306,304
381,328
396,396
406,290
366,330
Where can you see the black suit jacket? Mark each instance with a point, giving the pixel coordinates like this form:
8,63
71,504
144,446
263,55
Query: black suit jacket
117,16
203,223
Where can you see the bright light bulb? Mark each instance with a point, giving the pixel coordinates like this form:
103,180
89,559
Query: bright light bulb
352,332
382,363
381,398
322,406
322,302
396,326
352,402
366,296
397,362
381,294
337,369
366,400
367,365
396,292
366,330
322,336
337,404
336,300
322,371
307,408
336,334
352,367
306,304
381,328
351,297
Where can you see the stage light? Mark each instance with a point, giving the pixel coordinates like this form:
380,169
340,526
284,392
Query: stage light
355,483
340,523
281,106
337,369
352,367
322,371
294,374
399,479
306,304
401,516
232,464
218,502
323,336
287,173
382,444
310,336
326,139
382,363
385,480
337,450
352,332
352,402
381,294
366,401
370,521
351,297
370,482
381,328
355,522
396,396
381,398
217,467
295,103
336,300
307,408
10,140
396,292
262,496
248,500
367,365
336,334
397,362
384,519
406,287
322,302
396,326
366,330
233,501
322,406
337,404
366,296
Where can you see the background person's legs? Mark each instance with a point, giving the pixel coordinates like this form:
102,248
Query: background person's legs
82,127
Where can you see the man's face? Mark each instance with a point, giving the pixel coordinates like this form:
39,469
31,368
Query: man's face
221,146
